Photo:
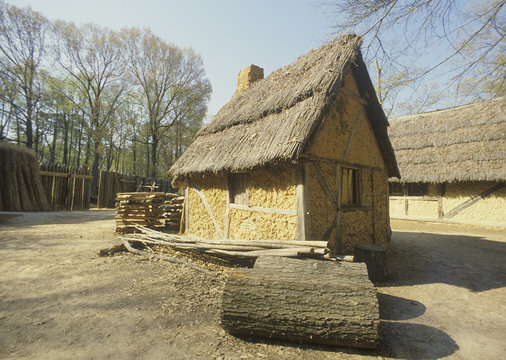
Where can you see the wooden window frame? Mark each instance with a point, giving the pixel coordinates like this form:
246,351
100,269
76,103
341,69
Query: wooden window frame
238,188
356,187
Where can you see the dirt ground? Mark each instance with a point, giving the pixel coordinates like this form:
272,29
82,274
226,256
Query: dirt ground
445,298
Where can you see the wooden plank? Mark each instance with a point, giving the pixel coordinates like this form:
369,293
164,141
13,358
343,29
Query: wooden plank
339,190
54,174
80,176
342,162
406,204
474,200
356,97
414,198
441,192
262,209
325,186
186,194
354,130
209,211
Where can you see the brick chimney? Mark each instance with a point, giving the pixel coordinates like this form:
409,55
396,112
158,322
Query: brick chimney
248,76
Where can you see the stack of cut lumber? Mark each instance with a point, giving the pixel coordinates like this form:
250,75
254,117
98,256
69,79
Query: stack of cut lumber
138,208
228,248
172,210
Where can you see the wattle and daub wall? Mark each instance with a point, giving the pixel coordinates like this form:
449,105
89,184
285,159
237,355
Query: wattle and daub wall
487,211
343,140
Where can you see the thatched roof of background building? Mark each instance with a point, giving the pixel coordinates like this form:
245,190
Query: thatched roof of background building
465,143
271,121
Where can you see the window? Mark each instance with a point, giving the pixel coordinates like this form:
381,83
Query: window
396,189
408,189
350,187
238,188
417,189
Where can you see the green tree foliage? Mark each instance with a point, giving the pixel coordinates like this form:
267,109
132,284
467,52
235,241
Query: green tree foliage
172,83
87,95
22,50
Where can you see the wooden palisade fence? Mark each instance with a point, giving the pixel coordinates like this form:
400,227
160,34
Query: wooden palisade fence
66,187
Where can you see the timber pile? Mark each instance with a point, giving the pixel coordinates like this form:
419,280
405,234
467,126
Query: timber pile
227,248
139,208
20,185
172,210
302,300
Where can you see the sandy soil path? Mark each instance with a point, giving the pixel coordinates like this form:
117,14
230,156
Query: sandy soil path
446,297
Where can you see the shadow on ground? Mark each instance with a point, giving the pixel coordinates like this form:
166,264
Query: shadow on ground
470,262
27,219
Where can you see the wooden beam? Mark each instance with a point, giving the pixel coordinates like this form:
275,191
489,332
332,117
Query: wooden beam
406,204
301,211
441,192
227,210
339,190
372,209
312,157
356,97
262,209
325,186
474,200
355,127
53,173
307,199
186,205
80,176
415,198
209,211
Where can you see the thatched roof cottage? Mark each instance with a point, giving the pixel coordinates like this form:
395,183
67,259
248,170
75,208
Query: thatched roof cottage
302,154
453,164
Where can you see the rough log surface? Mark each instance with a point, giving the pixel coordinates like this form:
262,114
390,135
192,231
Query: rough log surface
375,257
302,300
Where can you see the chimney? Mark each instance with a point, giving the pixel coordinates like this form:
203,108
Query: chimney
248,76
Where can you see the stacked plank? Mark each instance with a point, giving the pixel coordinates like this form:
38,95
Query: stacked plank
228,248
172,210
138,208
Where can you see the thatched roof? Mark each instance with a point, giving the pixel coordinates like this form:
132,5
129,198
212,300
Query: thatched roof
271,121
465,143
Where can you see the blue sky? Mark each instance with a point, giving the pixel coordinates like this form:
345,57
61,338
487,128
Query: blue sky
228,34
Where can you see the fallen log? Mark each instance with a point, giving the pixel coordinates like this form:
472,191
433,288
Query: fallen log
302,300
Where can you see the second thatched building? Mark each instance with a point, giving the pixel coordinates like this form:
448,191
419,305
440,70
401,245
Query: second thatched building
453,164
302,154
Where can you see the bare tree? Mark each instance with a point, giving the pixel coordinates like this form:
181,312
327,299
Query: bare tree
92,59
469,34
22,50
171,79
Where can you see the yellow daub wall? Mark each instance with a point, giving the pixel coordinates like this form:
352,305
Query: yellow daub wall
267,188
254,225
214,188
273,188
331,141
491,209
487,211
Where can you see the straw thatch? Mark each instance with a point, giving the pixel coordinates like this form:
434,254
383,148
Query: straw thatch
465,143
271,121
